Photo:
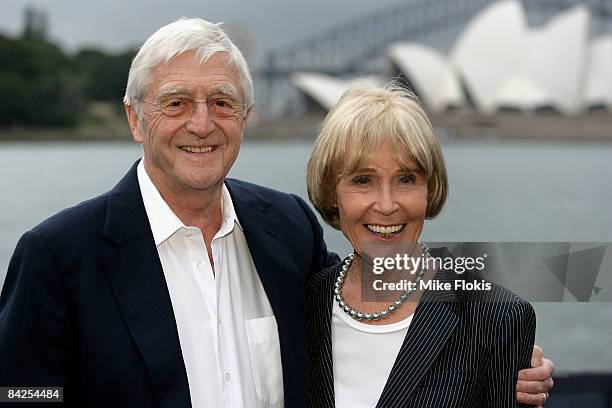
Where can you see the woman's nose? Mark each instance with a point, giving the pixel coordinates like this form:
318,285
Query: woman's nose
386,203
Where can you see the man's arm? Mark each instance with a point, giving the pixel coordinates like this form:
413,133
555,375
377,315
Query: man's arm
33,318
321,257
535,383
513,344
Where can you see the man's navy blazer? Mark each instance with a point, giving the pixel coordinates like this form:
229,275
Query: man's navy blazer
85,304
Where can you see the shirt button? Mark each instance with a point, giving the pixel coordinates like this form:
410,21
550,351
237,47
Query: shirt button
219,319
227,376
200,264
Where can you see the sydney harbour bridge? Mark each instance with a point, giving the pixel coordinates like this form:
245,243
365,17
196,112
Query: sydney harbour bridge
357,47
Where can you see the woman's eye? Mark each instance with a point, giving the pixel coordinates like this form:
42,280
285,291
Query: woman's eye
361,180
408,179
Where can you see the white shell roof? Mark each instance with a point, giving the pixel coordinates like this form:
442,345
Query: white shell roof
429,72
523,90
522,94
501,63
551,68
599,73
487,51
326,90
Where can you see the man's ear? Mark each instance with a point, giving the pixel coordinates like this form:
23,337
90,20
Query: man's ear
133,121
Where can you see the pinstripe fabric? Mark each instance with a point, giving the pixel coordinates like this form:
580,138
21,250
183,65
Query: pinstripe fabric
463,349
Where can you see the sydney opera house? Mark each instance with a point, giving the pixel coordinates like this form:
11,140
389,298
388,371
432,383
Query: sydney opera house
498,63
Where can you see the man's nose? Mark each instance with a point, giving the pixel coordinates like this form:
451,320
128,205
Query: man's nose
201,121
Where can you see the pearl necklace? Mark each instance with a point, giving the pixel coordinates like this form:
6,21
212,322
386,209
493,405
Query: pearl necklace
357,315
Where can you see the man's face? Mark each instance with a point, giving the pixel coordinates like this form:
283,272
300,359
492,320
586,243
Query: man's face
193,151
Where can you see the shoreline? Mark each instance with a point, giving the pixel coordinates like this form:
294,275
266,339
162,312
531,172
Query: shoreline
452,127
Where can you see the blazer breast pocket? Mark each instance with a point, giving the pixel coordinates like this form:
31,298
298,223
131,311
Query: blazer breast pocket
264,348
448,389
450,378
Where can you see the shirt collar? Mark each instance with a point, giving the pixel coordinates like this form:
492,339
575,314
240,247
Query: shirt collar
228,213
164,222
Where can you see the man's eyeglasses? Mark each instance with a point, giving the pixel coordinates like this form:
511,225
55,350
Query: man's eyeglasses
221,107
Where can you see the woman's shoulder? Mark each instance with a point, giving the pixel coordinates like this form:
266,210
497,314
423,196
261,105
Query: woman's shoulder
480,295
323,276
493,302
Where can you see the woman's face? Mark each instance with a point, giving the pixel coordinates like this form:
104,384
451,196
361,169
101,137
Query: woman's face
382,203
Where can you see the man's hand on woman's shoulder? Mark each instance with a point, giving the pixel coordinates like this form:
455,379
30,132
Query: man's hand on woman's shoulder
535,383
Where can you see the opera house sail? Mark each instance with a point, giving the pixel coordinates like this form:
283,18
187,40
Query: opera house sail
498,62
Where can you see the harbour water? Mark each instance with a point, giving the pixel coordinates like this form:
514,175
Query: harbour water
498,192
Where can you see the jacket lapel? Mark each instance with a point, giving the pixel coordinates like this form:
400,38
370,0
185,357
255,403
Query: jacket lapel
130,260
320,303
281,277
435,319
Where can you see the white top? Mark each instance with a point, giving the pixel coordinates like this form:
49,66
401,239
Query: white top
363,355
226,327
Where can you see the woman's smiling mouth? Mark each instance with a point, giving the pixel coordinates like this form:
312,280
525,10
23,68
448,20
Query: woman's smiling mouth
385,231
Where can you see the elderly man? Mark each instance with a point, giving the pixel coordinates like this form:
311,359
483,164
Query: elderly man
178,287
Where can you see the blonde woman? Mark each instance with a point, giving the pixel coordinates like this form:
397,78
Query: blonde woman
377,173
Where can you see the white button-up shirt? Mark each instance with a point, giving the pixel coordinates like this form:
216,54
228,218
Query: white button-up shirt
226,327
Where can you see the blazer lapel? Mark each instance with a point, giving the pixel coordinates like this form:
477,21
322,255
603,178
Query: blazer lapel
434,321
281,278
320,303
133,268
264,236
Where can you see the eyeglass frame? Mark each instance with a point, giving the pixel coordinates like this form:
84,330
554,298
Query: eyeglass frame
239,109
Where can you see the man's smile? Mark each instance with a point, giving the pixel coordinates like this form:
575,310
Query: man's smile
198,149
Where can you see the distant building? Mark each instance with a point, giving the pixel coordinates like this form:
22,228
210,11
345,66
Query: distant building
325,90
499,63
35,23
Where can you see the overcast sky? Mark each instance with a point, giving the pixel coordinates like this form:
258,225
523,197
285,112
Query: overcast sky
119,24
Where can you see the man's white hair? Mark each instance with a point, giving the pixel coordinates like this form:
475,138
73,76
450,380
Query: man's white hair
184,35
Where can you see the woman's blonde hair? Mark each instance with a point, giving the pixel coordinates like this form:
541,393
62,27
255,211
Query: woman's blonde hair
359,124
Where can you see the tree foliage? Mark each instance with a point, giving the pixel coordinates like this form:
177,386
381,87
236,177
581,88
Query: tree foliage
42,86
105,75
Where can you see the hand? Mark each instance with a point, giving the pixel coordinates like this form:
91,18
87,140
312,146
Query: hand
535,383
